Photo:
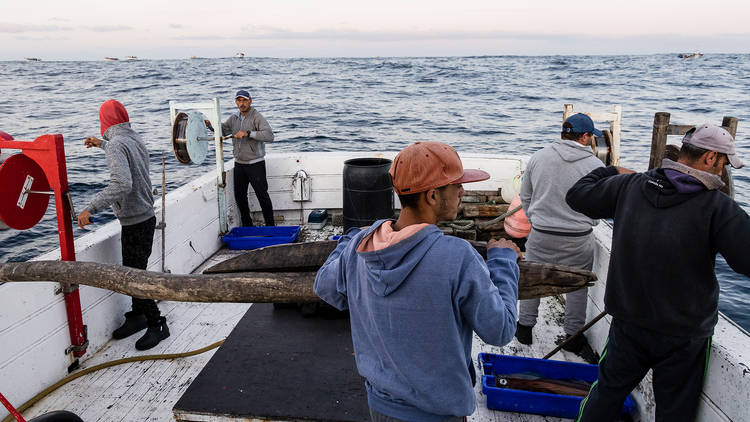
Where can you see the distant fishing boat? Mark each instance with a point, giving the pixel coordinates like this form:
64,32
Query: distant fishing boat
690,55
111,58
193,57
33,59
240,55
130,58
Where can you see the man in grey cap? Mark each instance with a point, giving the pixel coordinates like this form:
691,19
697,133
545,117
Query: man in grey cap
251,132
662,291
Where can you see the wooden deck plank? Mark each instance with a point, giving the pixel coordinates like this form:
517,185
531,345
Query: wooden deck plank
138,379
140,398
173,376
146,390
154,376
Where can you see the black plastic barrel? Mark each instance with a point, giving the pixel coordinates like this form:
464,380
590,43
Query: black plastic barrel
368,191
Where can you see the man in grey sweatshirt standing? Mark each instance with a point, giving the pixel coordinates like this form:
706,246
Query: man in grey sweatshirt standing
130,196
251,131
558,234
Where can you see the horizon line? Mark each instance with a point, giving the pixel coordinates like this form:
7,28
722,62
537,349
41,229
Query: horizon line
137,58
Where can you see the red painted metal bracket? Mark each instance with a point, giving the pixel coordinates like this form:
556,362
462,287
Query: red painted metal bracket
48,151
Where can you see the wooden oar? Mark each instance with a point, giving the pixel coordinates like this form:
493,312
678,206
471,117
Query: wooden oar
245,287
537,279
259,287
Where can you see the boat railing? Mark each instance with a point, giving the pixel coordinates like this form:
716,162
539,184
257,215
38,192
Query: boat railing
660,149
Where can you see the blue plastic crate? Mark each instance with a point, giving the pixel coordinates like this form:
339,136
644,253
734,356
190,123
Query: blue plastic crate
258,237
546,404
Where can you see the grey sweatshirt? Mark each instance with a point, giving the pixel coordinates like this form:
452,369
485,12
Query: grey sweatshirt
249,149
129,189
550,173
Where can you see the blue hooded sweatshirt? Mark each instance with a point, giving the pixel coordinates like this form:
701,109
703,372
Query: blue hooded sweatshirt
413,306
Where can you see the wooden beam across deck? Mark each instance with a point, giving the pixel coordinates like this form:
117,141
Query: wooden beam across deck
276,274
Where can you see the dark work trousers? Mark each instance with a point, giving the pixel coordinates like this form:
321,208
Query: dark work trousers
679,365
136,240
255,176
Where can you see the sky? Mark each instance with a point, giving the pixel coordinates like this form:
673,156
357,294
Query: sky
91,30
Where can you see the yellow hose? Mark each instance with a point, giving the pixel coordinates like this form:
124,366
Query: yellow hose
95,368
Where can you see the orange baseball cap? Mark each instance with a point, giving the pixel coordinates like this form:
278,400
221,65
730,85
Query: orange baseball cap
427,165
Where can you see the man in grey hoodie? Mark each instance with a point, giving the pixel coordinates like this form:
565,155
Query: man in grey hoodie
558,234
129,193
251,132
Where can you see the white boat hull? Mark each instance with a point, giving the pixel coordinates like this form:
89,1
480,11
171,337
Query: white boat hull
33,325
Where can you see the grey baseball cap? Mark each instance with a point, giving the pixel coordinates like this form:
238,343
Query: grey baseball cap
713,138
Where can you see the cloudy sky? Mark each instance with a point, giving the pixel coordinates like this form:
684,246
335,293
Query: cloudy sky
90,30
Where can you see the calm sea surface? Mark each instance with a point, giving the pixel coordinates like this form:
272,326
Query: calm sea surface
509,105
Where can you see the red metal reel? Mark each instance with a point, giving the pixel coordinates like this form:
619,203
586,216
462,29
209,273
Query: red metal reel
13,173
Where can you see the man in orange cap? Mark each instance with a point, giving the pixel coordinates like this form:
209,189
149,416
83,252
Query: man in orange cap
130,196
415,295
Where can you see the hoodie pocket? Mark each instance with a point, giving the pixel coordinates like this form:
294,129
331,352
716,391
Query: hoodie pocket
245,150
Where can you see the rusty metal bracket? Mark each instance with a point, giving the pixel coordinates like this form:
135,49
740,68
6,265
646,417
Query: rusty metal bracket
65,288
82,347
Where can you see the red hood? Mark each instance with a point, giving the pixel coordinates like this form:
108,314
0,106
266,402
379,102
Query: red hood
112,113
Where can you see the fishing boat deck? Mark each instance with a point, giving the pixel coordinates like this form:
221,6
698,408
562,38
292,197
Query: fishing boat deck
149,390
145,391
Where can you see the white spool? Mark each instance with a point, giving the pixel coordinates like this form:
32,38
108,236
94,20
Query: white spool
195,135
190,137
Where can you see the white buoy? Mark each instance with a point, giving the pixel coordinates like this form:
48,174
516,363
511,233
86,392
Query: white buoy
511,188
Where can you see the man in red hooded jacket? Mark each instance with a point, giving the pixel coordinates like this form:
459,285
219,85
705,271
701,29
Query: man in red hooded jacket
130,195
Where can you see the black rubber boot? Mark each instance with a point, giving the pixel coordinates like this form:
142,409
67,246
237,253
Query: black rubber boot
523,333
580,346
576,344
157,331
134,322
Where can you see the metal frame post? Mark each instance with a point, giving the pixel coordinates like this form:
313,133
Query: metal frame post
221,175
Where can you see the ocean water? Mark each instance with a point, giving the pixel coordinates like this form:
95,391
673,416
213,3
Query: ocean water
510,105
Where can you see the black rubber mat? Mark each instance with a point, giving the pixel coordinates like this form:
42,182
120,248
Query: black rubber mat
278,365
